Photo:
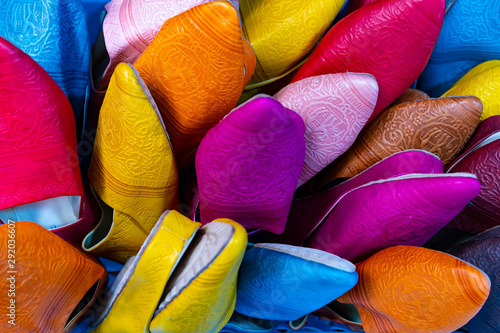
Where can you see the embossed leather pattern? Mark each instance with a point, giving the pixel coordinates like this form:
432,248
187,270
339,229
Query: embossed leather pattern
410,289
483,212
207,302
390,39
483,252
37,133
282,32
408,210
485,129
134,302
482,81
284,282
249,164
334,107
54,33
133,169
195,70
51,278
441,126
470,36
410,95
307,213
131,25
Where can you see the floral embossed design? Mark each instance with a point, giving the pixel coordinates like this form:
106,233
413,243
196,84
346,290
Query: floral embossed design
334,108
425,290
195,70
441,126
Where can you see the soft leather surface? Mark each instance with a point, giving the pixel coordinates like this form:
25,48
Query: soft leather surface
410,289
306,214
388,39
51,279
470,36
196,68
483,251
249,164
282,32
133,171
334,107
135,296
441,126
202,297
284,282
483,81
54,33
407,210
131,25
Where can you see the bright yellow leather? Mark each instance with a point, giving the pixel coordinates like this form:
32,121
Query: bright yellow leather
482,81
282,32
133,170
207,303
135,306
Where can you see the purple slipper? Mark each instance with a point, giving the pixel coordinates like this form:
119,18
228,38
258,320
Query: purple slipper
249,164
482,158
306,214
406,210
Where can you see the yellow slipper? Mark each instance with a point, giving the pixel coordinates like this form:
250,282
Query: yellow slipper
201,294
482,81
133,172
138,288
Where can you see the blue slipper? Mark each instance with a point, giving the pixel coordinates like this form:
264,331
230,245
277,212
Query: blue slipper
285,282
470,35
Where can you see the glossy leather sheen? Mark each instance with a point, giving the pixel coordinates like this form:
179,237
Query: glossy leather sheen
410,95
483,252
133,169
196,68
131,25
134,304
409,289
207,303
441,126
307,213
249,164
51,278
334,107
389,39
284,282
470,36
483,212
282,32
407,210
54,33
37,133
482,81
